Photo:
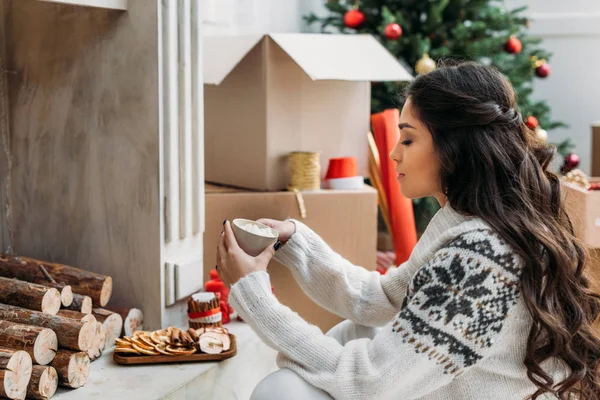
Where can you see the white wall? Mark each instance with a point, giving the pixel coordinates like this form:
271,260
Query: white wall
570,29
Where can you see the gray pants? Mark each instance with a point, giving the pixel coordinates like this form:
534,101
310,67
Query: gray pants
285,384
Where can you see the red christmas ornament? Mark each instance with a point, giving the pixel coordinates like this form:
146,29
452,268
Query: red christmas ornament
354,19
513,45
393,31
570,163
543,70
532,122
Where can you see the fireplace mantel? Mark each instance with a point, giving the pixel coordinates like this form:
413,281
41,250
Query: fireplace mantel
110,4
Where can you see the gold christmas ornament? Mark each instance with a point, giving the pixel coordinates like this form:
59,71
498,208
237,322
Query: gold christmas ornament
425,65
577,177
541,134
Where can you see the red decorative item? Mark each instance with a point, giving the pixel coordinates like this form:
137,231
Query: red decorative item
354,19
343,167
218,287
594,186
393,31
513,45
571,162
532,122
543,70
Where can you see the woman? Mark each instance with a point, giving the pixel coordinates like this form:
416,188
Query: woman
493,302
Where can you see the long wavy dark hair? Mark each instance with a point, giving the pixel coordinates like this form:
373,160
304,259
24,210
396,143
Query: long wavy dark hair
494,167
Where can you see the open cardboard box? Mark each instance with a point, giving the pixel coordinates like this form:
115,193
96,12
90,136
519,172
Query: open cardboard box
347,221
268,95
583,207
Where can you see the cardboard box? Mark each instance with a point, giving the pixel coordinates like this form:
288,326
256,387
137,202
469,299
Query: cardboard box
596,149
347,221
583,207
267,96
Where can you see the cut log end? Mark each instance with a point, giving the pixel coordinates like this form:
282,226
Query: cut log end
86,305
106,291
51,301
78,370
16,376
134,321
97,347
43,383
45,347
87,335
66,296
113,324
81,303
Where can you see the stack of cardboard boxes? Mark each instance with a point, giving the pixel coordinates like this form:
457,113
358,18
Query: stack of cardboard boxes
269,95
583,206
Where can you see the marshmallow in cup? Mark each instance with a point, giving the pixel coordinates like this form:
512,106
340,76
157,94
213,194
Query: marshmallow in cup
253,237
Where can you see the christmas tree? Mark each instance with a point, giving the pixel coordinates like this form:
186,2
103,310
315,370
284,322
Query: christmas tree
420,32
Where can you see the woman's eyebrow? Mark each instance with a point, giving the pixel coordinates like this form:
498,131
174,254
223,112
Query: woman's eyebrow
405,125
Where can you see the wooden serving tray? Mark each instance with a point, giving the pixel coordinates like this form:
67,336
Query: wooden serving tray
134,359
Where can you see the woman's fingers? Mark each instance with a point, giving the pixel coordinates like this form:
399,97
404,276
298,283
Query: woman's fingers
229,238
221,249
268,222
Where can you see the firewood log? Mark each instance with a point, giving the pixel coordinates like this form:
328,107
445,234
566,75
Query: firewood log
73,368
43,383
133,319
70,333
97,286
97,347
14,267
40,343
15,373
81,303
113,324
29,295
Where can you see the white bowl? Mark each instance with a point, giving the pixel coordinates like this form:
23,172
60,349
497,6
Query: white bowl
252,243
352,183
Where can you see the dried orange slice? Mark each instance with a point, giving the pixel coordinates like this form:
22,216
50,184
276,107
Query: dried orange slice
162,349
141,344
180,351
119,341
147,340
157,338
144,351
126,350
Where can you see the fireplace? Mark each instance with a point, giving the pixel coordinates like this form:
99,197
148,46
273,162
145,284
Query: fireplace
101,145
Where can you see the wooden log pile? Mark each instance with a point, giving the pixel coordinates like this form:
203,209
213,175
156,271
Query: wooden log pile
52,325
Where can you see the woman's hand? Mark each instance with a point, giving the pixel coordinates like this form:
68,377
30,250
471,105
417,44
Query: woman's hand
285,228
233,263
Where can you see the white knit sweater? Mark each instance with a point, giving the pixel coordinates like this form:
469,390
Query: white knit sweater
455,326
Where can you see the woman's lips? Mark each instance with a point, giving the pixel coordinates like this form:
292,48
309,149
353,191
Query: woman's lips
400,176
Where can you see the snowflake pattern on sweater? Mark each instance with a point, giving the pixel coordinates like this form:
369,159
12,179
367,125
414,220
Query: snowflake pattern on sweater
458,302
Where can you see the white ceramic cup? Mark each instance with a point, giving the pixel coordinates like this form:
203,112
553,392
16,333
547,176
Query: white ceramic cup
252,243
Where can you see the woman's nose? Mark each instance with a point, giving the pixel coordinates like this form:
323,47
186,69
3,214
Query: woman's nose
396,153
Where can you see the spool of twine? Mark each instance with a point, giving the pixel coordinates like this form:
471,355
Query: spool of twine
305,170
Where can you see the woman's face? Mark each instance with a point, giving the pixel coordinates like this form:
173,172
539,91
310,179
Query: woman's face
417,165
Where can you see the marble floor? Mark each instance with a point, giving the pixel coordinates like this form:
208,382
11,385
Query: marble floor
232,379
